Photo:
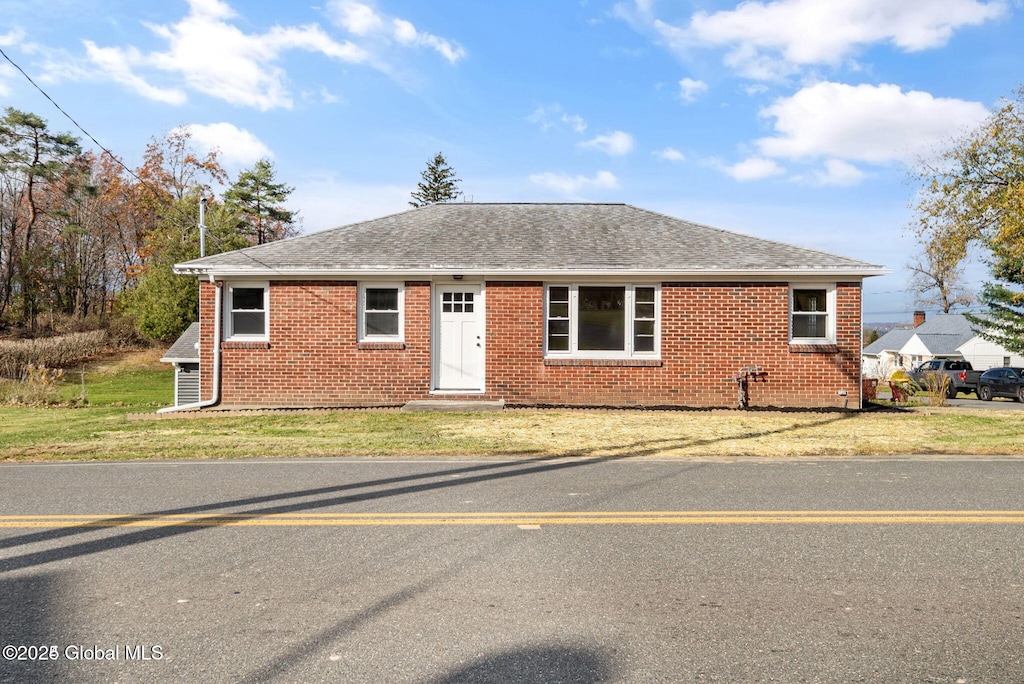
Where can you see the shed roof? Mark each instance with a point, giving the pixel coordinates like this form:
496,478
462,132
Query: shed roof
525,239
186,348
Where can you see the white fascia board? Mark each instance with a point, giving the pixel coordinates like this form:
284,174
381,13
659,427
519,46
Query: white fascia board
175,360
510,274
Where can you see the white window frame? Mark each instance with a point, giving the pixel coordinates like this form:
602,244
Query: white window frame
229,309
830,313
628,352
362,335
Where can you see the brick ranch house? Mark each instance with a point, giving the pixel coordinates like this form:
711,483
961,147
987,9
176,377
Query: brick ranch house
532,304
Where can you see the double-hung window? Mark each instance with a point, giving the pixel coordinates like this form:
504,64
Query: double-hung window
246,311
812,314
602,321
381,316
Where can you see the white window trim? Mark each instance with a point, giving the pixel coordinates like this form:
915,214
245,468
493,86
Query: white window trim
229,333
361,322
628,352
830,313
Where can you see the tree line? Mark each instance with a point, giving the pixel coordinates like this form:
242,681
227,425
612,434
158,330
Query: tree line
84,238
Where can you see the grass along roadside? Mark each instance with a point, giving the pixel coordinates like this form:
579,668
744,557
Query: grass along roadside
105,433
139,383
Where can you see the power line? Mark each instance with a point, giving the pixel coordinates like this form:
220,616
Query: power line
216,238
71,118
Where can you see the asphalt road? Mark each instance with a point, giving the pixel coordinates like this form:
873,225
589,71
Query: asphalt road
542,570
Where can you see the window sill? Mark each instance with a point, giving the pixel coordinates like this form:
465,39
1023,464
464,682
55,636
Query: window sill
813,348
614,363
381,345
244,344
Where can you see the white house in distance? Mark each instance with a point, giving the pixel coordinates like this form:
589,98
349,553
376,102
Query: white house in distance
946,336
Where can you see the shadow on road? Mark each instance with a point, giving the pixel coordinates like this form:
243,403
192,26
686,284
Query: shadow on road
572,665
384,488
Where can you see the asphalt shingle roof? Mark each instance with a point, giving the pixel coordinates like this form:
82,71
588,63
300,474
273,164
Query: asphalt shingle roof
941,335
509,238
185,348
890,341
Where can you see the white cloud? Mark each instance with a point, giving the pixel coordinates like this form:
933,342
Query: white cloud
574,185
363,20
7,72
552,116
357,18
690,89
118,64
406,34
575,121
866,123
616,143
12,37
839,173
670,154
327,97
754,168
771,39
237,146
208,54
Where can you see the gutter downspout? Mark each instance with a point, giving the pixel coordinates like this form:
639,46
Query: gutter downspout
215,391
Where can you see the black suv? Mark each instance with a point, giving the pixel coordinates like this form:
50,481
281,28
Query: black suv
1001,382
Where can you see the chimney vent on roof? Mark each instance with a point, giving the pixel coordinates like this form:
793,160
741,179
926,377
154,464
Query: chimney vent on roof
919,317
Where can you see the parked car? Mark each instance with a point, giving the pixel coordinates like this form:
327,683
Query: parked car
1001,382
962,376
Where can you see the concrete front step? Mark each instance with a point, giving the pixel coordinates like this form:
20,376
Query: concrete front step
454,405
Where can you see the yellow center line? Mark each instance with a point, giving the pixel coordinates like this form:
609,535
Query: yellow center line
971,517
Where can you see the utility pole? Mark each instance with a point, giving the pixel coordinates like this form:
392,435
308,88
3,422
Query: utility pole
202,227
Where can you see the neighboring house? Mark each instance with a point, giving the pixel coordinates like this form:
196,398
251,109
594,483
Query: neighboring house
184,354
984,354
885,355
944,336
533,304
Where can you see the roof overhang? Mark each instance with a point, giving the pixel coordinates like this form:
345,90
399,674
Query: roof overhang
175,359
225,272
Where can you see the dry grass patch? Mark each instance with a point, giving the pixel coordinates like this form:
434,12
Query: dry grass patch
49,352
104,433
736,433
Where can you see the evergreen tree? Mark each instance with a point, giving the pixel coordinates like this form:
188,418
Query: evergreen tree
1003,322
439,183
37,162
257,200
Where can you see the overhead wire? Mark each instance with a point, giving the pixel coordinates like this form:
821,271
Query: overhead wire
216,238
70,118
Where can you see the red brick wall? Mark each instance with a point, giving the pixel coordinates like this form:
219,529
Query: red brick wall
313,358
700,351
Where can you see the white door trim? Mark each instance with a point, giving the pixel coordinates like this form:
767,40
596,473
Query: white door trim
458,354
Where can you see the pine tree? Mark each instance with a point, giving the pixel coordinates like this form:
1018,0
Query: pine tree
439,183
258,202
37,161
1003,322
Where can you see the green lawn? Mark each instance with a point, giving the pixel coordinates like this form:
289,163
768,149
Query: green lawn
101,429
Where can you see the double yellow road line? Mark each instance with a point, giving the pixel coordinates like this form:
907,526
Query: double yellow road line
522,519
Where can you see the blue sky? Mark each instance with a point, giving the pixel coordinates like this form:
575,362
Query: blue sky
793,120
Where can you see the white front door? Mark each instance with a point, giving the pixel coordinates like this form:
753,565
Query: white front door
459,343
